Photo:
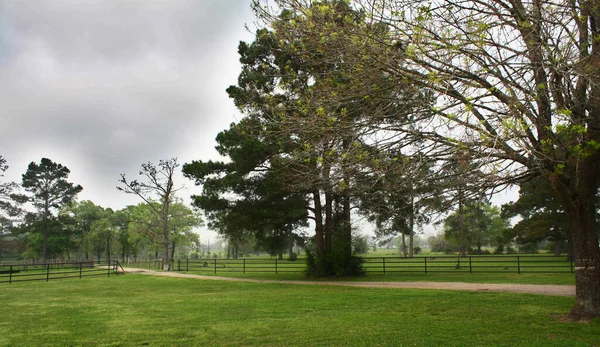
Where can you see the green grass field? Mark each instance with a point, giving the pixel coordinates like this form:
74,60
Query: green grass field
139,310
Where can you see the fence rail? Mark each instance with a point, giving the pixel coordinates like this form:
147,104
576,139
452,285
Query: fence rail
10,273
383,265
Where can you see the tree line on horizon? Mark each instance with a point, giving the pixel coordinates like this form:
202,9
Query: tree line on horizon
62,228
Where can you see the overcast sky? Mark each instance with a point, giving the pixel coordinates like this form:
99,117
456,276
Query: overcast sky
103,86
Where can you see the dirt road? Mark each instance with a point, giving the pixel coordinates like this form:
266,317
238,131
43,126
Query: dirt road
543,289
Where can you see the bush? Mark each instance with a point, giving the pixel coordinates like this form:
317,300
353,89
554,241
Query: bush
510,250
417,250
529,248
499,249
293,256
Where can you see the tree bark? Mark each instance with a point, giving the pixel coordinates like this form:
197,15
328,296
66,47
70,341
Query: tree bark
347,226
328,222
411,227
173,250
463,238
587,262
580,203
318,223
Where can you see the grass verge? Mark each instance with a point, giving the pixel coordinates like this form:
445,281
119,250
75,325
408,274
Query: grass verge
158,311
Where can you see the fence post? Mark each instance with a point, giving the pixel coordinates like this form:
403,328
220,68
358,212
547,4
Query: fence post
10,275
179,265
571,265
383,265
244,265
80,268
275,265
425,258
47,272
108,267
470,266
518,265
215,265
187,265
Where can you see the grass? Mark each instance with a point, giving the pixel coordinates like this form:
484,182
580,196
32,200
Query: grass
159,311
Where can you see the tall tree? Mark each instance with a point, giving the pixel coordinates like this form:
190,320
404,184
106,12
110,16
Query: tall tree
157,183
478,224
517,86
9,199
49,191
542,216
245,197
84,213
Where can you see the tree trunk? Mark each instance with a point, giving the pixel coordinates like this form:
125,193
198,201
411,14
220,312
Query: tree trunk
318,223
45,238
107,250
411,227
463,237
587,262
556,248
328,222
403,245
570,251
291,247
347,225
580,204
173,250
165,243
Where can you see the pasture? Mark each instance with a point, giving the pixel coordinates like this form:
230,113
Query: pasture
158,311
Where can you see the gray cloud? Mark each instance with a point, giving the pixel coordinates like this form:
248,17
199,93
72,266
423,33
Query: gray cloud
102,86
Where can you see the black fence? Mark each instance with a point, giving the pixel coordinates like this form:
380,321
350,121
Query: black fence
10,273
382,265
472,264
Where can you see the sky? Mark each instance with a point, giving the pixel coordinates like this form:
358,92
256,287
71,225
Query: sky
104,86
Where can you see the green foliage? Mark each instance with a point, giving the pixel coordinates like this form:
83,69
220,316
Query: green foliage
48,190
481,223
360,245
542,215
47,185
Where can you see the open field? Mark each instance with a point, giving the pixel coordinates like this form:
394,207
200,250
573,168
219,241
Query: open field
148,310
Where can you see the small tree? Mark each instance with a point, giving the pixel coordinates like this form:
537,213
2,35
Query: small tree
49,190
157,182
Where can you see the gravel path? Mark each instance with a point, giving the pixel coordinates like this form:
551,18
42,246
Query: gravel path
543,289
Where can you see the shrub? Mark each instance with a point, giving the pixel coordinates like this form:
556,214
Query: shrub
499,249
417,250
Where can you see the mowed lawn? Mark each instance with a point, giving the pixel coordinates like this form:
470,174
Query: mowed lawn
142,310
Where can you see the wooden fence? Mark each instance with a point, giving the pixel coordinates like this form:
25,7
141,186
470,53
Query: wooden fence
10,273
382,265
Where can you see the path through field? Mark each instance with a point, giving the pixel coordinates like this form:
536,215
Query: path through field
543,289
